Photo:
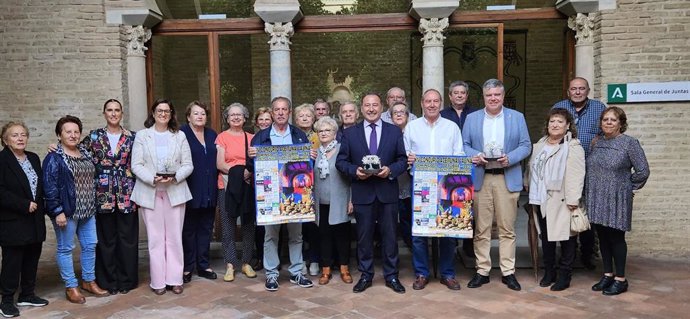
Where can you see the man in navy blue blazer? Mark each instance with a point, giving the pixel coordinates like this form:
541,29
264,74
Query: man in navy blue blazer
497,139
374,196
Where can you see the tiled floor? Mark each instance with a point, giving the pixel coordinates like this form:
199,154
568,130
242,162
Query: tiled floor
658,289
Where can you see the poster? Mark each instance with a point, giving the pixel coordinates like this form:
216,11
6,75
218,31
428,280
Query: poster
284,180
442,196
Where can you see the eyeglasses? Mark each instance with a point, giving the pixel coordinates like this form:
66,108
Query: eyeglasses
236,115
159,111
199,113
399,112
324,131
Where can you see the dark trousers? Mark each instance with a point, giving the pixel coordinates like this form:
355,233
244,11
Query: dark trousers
333,237
587,243
117,251
310,234
196,237
565,264
367,217
613,248
405,217
19,266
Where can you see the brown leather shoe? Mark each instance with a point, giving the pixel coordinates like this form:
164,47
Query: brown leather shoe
158,291
325,276
420,282
451,283
74,296
92,287
177,290
345,274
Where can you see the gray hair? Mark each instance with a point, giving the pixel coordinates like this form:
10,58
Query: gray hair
407,107
245,111
395,88
325,121
455,84
340,111
432,90
305,107
277,98
493,83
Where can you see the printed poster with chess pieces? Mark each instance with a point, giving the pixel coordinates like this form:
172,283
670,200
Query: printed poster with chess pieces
284,181
442,196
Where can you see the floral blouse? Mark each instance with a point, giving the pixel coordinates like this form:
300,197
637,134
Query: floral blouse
114,178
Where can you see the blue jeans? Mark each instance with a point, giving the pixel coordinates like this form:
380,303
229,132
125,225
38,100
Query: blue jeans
420,256
85,230
271,253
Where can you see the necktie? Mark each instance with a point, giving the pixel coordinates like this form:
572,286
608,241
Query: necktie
373,148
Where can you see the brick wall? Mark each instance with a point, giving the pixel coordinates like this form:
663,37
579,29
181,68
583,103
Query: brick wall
649,41
57,59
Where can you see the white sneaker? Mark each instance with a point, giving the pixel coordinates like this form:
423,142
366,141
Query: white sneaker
314,269
304,269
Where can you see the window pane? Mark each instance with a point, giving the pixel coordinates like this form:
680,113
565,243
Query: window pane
180,70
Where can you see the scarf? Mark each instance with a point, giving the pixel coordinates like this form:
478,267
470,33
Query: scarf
322,165
551,173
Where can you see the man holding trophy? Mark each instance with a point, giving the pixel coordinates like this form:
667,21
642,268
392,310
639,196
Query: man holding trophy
373,155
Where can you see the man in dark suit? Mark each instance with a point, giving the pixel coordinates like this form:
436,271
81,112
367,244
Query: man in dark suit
456,111
374,196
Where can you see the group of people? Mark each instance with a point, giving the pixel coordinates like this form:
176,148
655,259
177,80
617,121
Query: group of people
95,186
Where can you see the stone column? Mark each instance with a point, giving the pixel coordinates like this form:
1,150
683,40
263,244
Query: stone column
432,52
281,73
583,25
433,21
136,75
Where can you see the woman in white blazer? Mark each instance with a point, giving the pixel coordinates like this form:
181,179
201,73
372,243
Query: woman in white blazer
556,176
162,160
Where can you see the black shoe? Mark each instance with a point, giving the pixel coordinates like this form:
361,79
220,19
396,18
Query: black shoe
124,291
186,278
562,283
477,281
511,282
8,310
548,279
33,301
618,287
301,280
361,285
112,291
272,284
603,283
207,274
395,285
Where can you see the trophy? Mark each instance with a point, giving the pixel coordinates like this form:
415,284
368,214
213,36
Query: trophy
165,169
371,164
492,151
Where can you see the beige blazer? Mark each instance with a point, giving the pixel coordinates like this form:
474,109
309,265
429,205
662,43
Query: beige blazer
144,166
556,207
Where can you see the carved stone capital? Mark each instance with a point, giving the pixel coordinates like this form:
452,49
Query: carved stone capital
136,37
280,35
583,26
432,31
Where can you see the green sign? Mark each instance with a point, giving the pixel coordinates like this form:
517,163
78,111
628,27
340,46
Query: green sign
618,93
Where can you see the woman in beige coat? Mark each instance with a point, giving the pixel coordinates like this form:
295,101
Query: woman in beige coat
556,175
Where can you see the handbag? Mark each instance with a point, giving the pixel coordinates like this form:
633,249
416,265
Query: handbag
578,220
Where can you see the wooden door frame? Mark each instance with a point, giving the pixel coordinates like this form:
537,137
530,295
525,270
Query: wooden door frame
213,29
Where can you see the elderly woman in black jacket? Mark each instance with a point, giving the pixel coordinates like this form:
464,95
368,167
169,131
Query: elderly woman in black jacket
22,223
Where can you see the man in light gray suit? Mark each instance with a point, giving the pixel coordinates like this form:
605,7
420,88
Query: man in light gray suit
497,140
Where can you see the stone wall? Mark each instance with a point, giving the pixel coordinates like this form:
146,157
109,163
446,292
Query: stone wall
649,41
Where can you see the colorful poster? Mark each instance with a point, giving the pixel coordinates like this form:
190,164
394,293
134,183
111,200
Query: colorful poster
442,197
284,178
